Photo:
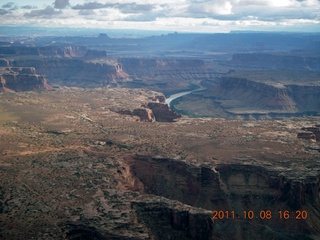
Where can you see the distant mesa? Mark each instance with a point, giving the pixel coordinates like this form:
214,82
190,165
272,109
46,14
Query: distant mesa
103,36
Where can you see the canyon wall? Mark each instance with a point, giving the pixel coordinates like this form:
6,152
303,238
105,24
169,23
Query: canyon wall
23,79
159,75
225,187
242,96
75,72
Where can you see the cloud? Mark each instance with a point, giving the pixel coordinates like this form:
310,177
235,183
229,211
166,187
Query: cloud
205,9
60,4
123,7
8,5
141,17
87,12
193,15
89,5
3,12
134,8
43,13
28,7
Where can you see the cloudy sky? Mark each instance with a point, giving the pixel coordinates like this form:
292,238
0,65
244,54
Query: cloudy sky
175,15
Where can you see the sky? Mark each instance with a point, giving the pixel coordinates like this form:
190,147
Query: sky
170,15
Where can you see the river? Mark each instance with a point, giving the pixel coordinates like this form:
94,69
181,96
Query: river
180,94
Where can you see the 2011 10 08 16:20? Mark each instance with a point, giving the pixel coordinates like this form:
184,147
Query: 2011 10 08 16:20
262,214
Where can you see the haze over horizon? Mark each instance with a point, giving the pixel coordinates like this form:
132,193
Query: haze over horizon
181,15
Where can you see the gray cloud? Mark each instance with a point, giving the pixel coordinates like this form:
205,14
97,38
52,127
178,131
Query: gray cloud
28,7
3,12
142,17
86,12
60,4
43,13
89,5
123,7
8,5
134,8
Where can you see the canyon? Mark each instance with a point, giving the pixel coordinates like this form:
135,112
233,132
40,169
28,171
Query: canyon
93,148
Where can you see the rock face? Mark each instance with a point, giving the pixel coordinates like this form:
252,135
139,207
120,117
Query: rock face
145,114
238,96
315,131
226,187
162,112
253,94
23,79
76,72
307,136
153,112
168,221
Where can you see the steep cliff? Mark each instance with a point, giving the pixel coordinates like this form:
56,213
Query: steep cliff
162,112
240,96
236,188
76,72
23,79
236,93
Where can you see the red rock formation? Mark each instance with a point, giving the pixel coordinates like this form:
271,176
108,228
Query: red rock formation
313,130
162,112
145,114
23,79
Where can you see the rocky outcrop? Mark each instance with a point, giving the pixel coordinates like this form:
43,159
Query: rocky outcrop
23,79
307,136
314,130
145,114
162,112
153,112
159,98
